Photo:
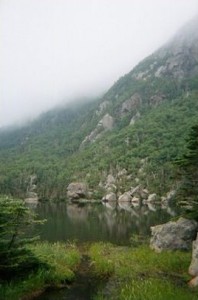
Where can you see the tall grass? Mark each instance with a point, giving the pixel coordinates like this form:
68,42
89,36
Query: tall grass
155,289
58,263
141,274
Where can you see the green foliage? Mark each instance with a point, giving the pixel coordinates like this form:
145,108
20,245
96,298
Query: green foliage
62,260
57,265
15,218
51,146
140,273
189,171
99,255
154,289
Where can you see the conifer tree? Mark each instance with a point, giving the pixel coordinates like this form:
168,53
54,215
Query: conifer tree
15,256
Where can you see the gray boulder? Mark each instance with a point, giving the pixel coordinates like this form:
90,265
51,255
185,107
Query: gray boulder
152,198
135,200
110,184
126,197
109,197
173,235
193,269
77,190
31,195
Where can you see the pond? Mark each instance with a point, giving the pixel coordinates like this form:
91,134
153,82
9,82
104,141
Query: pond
109,222
93,222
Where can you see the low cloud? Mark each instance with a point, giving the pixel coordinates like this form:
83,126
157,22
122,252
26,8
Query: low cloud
55,50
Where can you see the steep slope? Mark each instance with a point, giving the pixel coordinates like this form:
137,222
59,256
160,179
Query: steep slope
139,125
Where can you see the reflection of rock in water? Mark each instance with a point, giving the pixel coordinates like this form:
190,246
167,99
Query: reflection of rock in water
110,205
135,204
77,213
98,222
114,222
151,206
170,211
125,205
31,203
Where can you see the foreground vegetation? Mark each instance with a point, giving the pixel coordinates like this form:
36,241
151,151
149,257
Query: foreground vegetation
57,264
27,265
141,274
127,272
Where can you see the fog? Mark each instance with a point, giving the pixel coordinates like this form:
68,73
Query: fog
53,51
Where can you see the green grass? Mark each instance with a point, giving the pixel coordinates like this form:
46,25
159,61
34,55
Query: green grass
154,289
58,263
101,259
130,273
61,258
141,274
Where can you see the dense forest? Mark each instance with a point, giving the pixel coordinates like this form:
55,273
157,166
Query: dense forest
141,125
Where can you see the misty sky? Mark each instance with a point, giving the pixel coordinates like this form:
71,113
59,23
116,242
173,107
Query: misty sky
55,50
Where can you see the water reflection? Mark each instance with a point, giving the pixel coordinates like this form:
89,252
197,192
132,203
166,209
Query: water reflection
109,221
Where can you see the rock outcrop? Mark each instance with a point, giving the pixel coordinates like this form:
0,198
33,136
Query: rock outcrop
178,59
173,235
132,104
105,124
77,190
126,197
135,118
31,195
110,197
102,107
193,269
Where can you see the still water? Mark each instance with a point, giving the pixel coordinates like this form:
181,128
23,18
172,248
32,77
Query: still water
88,222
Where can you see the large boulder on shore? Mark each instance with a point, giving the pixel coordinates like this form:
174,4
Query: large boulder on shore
77,190
173,235
110,197
126,197
193,269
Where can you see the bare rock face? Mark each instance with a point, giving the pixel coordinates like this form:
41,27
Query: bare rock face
131,104
173,235
102,107
182,52
77,190
178,59
135,118
105,124
155,100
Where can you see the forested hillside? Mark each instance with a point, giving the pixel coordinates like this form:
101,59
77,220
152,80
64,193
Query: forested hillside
140,125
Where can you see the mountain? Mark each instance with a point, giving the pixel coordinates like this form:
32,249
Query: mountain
131,136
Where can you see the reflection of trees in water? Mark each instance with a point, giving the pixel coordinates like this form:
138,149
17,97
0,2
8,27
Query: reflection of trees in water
77,213
95,222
